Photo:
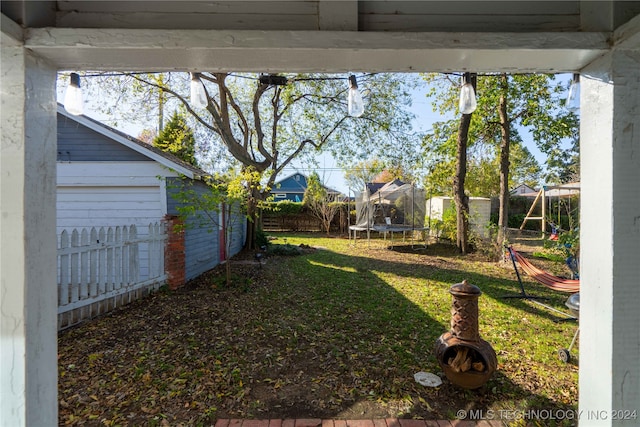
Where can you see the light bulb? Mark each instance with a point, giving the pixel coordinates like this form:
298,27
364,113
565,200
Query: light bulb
468,101
198,94
355,105
573,98
73,102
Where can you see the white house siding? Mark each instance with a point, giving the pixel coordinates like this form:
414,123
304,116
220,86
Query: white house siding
110,194
107,206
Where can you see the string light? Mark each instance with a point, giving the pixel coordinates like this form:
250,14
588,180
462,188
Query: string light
355,105
73,101
573,98
468,103
198,93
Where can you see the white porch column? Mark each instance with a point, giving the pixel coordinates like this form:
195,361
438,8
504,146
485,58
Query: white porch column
28,291
610,241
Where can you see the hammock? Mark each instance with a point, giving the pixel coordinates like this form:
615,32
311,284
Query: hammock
549,280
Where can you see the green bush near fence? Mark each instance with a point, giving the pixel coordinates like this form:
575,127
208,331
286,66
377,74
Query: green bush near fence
283,208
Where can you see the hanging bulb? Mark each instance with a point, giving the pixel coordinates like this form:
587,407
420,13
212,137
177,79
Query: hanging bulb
468,103
73,102
573,98
354,100
198,94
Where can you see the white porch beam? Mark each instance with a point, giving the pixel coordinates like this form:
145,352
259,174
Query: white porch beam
628,35
610,241
338,15
330,51
28,291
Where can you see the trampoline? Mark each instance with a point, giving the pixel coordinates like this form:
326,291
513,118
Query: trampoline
394,207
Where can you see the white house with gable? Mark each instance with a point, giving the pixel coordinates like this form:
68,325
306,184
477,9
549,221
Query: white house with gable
106,178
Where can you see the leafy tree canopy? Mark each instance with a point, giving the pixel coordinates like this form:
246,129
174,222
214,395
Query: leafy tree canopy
315,191
361,173
535,104
178,139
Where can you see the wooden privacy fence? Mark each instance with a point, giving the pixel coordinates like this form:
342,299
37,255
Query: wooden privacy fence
100,269
302,222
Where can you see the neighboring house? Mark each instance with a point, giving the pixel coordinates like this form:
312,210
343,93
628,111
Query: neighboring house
373,187
523,190
292,188
107,178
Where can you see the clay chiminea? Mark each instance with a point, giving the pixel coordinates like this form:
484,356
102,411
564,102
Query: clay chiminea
466,359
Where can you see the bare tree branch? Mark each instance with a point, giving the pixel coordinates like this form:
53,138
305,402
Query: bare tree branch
262,88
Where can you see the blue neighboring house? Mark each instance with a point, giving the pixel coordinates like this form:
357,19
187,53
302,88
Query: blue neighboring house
292,188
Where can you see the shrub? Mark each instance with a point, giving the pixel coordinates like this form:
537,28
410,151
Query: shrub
283,208
285,250
449,225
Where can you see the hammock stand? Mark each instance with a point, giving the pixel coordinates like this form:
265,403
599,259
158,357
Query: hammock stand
549,280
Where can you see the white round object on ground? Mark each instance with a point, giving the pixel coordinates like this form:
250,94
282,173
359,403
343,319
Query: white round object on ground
427,379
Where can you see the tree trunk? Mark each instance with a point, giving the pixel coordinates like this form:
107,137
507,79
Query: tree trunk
503,216
253,219
460,198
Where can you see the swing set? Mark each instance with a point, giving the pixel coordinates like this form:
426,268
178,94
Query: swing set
545,197
566,240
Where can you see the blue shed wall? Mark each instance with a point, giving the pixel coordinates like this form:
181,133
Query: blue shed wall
202,240
77,142
236,237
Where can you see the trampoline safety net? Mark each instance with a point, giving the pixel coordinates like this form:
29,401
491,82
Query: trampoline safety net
395,206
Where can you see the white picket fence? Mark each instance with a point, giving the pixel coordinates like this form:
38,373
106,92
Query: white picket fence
100,269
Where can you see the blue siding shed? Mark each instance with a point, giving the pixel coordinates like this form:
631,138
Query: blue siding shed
202,233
